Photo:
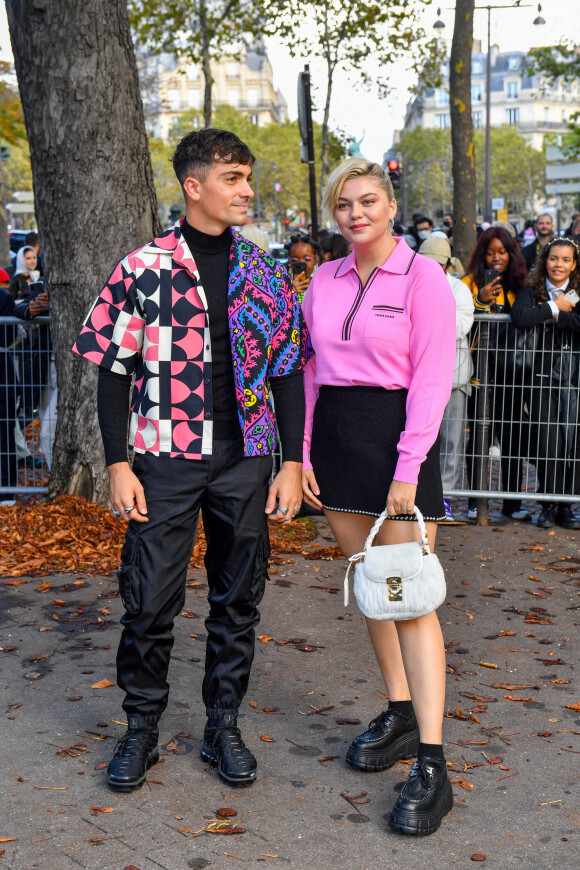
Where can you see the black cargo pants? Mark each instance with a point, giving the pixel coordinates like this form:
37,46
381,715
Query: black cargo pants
231,492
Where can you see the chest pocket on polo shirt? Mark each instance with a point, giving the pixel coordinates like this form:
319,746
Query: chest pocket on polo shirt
382,322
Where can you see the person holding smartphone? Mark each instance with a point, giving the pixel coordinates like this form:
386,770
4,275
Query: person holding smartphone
550,303
495,274
304,256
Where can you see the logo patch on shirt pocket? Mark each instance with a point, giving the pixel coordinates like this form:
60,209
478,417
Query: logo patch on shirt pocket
381,321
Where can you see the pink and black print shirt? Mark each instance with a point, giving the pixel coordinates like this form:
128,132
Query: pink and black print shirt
151,319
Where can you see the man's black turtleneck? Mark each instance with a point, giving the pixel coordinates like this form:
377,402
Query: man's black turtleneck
211,255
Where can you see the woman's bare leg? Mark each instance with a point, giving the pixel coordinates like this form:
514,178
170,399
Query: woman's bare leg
410,653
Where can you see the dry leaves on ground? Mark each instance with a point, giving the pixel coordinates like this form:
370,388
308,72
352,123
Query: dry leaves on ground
70,534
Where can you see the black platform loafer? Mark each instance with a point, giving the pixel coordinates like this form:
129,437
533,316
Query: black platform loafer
424,799
134,754
566,519
547,517
389,738
226,750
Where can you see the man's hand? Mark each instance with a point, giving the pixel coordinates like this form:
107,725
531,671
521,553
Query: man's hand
286,489
310,489
38,305
401,498
125,491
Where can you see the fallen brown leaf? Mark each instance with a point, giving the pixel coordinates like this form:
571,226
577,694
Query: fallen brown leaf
102,684
267,739
575,707
226,812
513,698
464,783
488,665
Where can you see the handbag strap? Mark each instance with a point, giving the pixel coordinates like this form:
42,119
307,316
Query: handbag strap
372,535
420,522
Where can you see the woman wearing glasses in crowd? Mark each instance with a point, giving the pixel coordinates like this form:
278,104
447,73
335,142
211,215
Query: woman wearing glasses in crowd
549,303
382,327
304,256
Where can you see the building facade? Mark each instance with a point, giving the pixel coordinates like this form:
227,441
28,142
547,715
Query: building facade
171,86
518,99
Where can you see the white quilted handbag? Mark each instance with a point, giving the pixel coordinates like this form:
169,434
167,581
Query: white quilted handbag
397,581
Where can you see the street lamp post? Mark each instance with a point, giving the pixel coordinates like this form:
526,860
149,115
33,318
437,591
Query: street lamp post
439,25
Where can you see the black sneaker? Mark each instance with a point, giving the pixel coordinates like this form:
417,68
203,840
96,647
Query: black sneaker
424,799
134,754
566,519
225,749
547,517
389,738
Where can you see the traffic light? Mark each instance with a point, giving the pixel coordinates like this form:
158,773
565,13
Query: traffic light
4,153
394,168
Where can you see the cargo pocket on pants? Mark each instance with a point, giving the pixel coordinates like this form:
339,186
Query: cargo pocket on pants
260,574
128,573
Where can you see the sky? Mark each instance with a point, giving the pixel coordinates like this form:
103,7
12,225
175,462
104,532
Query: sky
358,112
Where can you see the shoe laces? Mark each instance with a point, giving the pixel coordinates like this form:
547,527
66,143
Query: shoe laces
233,735
420,770
380,720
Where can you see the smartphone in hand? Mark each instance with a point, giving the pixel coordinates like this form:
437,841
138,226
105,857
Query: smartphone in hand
489,276
298,267
572,296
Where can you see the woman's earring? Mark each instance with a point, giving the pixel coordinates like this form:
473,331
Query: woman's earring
391,225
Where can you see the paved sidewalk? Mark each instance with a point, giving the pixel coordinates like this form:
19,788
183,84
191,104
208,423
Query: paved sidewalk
513,604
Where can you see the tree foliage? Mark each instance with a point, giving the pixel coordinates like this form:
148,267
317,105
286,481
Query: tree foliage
517,170
357,37
200,30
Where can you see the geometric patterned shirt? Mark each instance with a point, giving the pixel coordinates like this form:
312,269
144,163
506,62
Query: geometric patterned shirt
151,320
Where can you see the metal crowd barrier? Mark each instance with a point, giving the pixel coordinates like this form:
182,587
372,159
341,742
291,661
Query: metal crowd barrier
516,435
27,406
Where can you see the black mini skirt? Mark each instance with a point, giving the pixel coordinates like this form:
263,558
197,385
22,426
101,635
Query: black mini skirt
354,454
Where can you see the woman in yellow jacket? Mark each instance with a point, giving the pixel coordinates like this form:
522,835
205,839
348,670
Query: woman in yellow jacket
497,249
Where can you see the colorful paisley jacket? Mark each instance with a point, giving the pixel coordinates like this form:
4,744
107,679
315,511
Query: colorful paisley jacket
151,319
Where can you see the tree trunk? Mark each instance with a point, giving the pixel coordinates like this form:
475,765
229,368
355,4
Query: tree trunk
206,66
93,189
464,205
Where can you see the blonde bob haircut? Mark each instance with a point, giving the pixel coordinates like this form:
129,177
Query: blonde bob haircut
353,167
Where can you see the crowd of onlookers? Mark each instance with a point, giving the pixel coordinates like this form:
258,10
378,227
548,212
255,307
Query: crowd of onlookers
533,389
24,360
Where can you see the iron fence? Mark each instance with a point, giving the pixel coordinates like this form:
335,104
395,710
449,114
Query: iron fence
27,406
511,433
514,431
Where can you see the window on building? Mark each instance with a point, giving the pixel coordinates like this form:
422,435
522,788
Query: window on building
514,63
546,114
233,69
476,93
442,121
512,116
476,67
441,97
252,96
564,116
174,98
477,118
192,72
513,90
234,97
194,98
255,119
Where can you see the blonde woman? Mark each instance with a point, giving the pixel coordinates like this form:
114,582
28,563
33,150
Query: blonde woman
382,327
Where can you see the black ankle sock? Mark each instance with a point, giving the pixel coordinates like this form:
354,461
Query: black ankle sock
431,750
404,707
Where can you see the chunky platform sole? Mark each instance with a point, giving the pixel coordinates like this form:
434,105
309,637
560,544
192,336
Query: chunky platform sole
136,783
239,782
403,748
420,824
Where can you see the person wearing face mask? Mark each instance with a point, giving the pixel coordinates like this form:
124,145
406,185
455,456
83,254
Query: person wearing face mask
544,235
25,273
497,249
423,228
548,304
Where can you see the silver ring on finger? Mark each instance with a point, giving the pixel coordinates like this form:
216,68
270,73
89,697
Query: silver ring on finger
296,511
283,510
116,514
129,508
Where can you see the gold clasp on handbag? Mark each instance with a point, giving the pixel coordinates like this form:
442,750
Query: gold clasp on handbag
395,587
